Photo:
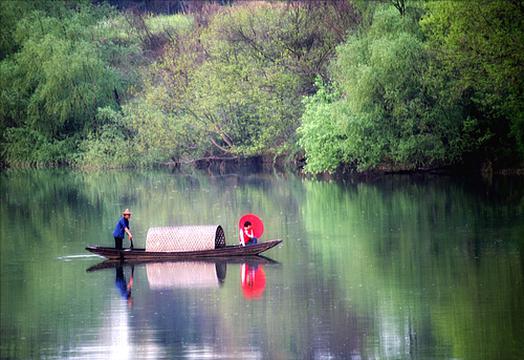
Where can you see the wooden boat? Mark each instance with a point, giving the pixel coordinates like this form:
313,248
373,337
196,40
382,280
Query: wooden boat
142,254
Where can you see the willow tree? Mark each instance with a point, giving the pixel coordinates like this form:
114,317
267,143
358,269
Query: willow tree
67,64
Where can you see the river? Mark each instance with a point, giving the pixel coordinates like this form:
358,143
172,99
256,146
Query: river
395,267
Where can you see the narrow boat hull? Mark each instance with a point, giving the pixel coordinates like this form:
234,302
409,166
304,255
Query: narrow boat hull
141,254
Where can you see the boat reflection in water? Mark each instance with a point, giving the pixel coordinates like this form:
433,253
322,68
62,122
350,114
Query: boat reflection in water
185,274
210,273
171,309
252,280
166,275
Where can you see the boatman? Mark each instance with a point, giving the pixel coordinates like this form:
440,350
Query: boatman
122,228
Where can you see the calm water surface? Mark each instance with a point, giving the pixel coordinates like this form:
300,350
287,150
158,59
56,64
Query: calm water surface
395,268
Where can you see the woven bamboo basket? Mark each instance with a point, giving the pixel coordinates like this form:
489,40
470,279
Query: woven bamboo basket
185,238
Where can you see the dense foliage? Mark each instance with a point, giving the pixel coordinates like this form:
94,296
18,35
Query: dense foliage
393,84
64,62
232,87
479,51
421,87
386,112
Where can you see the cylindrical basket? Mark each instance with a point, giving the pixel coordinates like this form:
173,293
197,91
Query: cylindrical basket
185,238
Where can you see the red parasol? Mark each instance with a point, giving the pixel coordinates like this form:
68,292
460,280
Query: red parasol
253,281
258,225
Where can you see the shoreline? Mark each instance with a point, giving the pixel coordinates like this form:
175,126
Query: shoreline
282,164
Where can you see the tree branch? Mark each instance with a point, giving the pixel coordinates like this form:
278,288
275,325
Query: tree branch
218,146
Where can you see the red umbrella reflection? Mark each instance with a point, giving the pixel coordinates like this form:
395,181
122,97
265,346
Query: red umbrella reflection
253,281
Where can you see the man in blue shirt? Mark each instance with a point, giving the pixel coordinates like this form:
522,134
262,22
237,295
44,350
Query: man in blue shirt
122,228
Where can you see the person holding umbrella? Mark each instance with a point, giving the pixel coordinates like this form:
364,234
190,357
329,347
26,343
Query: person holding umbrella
250,229
122,228
246,235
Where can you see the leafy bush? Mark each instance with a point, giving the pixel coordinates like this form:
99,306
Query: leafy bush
68,63
108,146
387,114
320,135
171,25
479,50
24,146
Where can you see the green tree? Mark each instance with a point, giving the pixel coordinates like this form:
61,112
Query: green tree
320,134
388,114
68,62
236,82
480,51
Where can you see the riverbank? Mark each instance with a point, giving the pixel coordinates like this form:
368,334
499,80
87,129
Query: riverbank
225,165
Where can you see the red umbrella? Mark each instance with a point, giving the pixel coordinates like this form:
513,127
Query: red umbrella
258,225
253,281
